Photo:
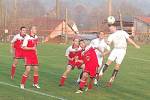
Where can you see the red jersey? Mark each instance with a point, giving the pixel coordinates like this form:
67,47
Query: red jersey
30,55
17,41
90,61
74,53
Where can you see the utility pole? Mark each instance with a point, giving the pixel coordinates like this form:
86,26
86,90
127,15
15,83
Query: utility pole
66,23
15,10
110,7
120,17
1,13
57,9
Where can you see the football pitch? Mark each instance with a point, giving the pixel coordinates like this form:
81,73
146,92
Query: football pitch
132,82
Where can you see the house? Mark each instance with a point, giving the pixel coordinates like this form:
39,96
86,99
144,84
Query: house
142,24
48,28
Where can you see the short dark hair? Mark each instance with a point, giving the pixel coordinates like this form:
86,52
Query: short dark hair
109,25
22,27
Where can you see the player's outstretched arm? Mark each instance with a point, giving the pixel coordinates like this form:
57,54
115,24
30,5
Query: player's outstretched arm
133,43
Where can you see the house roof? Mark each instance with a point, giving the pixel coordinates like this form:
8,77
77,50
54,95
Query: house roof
144,19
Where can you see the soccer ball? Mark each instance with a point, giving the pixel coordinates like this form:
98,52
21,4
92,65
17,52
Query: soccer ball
111,20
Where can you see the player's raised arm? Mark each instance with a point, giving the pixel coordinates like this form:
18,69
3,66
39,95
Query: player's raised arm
133,43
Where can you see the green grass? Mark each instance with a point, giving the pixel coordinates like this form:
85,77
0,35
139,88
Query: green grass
132,82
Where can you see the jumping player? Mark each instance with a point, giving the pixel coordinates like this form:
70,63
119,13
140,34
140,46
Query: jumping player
16,49
91,65
73,54
119,38
31,60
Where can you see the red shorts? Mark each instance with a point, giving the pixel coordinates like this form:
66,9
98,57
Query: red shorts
19,54
75,64
31,60
91,70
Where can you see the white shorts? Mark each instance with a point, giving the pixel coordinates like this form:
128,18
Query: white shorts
117,55
100,61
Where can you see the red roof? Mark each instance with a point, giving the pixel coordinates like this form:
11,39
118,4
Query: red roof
144,19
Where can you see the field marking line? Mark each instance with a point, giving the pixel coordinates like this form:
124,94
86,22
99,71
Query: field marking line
32,91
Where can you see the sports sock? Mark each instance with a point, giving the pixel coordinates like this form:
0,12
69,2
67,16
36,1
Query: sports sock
36,79
13,70
24,78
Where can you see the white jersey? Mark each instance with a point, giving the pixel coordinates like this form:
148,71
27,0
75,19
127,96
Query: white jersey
101,44
71,49
119,39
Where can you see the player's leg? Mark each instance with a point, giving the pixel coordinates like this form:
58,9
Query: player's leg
104,68
64,75
82,82
81,73
113,76
25,76
36,77
13,68
100,62
120,56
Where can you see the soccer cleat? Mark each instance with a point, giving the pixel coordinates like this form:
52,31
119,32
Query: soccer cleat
109,84
36,86
12,77
79,91
22,86
87,89
96,82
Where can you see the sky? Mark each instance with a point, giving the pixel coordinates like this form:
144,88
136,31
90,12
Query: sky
143,5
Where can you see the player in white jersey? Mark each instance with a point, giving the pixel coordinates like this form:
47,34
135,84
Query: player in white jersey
101,49
119,39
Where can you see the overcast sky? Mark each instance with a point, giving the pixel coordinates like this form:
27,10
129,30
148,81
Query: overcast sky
144,5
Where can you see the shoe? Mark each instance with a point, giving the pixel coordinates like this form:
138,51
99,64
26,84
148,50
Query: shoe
109,84
22,86
12,77
87,89
79,91
36,86
60,85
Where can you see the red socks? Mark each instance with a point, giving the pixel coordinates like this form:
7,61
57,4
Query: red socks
90,86
36,79
13,70
24,78
82,84
62,80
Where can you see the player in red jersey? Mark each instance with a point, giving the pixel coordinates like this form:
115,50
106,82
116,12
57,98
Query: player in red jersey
31,60
73,54
91,65
16,49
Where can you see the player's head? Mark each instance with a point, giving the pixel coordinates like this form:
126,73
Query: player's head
112,28
83,43
101,35
75,42
23,30
33,30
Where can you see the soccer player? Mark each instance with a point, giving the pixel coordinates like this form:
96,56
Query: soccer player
101,49
31,60
16,49
119,38
91,65
73,54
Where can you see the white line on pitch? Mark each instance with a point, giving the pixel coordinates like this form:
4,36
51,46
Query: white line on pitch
36,92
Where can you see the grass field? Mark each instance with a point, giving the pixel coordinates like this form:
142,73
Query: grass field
132,82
